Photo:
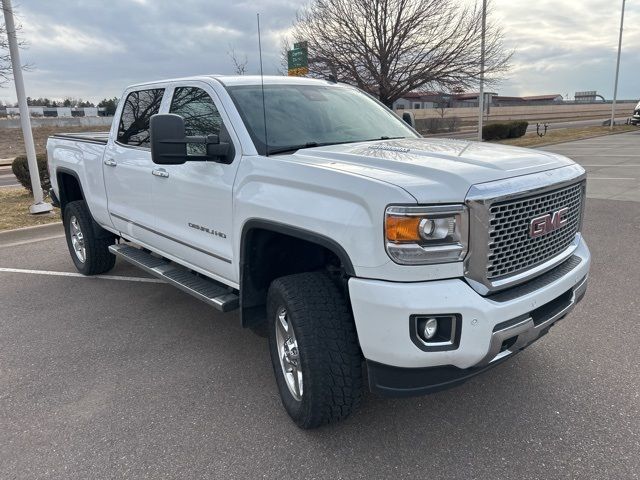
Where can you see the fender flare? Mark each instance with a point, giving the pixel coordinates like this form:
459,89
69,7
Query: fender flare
295,232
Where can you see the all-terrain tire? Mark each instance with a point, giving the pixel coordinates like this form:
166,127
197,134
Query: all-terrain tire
96,241
327,343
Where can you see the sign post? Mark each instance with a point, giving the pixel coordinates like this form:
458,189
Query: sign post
298,60
39,205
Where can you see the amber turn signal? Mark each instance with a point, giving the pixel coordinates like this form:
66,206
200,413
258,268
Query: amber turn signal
402,228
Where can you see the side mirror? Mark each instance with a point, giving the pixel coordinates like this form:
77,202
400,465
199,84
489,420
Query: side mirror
409,119
169,143
219,151
168,139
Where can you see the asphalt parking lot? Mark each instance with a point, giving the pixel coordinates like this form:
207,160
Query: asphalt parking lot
126,377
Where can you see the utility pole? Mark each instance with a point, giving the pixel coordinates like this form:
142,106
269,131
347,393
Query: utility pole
39,205
481,96
615,86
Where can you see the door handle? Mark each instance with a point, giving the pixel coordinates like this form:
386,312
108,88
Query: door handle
110,162
160,172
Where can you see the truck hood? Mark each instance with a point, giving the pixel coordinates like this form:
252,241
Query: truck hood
432,170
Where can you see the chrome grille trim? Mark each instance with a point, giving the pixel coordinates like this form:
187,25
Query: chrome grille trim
483,201
511,248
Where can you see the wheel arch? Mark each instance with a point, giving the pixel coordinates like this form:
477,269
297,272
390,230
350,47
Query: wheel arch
297,251
69,187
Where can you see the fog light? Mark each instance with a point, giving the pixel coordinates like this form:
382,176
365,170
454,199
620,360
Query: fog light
430,328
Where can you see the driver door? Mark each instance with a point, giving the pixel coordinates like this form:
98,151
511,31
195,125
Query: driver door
193,201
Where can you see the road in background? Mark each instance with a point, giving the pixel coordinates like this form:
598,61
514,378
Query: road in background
471,135
120,377
7,179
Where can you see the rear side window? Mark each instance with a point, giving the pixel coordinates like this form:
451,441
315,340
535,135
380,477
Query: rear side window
136,113
201,117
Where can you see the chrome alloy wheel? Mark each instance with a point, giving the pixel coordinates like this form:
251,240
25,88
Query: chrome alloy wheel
288,353
77,239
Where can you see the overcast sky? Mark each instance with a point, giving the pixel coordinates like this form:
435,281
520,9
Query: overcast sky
93,48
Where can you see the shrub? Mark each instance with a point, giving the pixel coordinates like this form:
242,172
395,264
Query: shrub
518,129
437,124
20,168
496,131
502,130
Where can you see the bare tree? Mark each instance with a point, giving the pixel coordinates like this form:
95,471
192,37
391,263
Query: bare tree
5,58
390,47
239,63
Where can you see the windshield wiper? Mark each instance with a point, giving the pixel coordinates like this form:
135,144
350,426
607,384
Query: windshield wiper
292,148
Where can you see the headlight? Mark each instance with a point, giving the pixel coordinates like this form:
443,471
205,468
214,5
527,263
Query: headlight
424,235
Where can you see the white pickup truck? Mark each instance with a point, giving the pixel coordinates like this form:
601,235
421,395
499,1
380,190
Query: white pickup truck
338,232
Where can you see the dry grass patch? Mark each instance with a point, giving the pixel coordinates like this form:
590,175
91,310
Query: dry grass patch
12,143
565,135
14,210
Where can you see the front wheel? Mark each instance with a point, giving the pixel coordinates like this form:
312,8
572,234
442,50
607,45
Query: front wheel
88,246
314,349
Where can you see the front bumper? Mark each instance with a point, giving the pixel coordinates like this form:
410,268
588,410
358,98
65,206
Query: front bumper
635,119
493,328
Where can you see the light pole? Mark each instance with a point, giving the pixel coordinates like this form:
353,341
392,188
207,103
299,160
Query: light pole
481,96
615,86
39,205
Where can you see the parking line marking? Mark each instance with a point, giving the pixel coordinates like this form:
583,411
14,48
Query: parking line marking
35,240
74,274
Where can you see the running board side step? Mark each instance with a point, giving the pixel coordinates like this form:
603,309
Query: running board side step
209,291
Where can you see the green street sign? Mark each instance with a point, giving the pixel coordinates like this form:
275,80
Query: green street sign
297,58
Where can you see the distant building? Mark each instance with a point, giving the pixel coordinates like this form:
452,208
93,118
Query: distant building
587,97
55,112
418,100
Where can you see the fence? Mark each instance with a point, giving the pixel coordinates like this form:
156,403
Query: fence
532,113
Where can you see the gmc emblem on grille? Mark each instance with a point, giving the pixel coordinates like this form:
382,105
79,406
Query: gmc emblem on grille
548,223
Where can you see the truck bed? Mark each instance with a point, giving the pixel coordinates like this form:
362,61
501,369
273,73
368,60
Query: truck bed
91,137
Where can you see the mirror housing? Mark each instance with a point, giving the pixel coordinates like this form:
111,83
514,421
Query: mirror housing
169,142
168,145
409,119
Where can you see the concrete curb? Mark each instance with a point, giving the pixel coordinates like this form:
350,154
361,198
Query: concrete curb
6,162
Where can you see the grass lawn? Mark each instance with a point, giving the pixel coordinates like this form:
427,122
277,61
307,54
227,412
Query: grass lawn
566,135
14,210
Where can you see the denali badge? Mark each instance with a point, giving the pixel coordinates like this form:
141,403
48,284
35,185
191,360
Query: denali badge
548,223
208,230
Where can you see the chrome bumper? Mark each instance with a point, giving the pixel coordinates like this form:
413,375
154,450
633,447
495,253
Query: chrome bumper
513,335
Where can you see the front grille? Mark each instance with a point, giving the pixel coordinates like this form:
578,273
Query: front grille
512,249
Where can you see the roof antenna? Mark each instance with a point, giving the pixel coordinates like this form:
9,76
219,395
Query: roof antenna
264,109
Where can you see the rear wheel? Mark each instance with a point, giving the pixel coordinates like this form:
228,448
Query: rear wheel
314,349
88,244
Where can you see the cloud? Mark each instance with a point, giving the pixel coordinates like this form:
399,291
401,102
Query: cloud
569,46
95,48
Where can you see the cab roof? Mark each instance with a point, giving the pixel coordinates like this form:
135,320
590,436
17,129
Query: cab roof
234,80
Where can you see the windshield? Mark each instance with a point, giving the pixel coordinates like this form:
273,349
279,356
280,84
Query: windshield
301,116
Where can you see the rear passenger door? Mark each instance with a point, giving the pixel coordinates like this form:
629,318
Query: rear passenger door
193,201
128,167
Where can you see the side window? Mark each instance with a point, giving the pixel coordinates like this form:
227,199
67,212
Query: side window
136,113
201,117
